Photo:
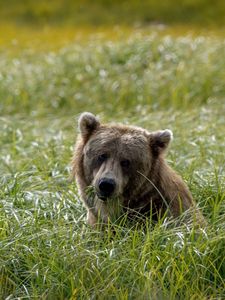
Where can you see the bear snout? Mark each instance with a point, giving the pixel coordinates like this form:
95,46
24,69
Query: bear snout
106,187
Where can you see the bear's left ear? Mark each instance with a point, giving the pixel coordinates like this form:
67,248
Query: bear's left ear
160,140
87,123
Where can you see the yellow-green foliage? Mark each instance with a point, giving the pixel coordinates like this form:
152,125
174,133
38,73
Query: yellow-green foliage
111,12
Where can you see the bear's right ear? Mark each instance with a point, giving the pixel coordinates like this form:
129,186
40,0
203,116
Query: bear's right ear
87,123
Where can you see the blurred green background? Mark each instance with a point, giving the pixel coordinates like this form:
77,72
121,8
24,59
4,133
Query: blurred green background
98,12
168,53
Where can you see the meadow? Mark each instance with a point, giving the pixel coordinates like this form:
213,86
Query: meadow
152,77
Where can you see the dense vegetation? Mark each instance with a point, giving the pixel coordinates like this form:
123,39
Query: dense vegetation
161,72
149,77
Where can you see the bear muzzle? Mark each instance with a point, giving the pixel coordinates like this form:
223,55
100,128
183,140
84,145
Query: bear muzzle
106,188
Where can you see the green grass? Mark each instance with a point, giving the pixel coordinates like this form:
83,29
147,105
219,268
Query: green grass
144,70
46,249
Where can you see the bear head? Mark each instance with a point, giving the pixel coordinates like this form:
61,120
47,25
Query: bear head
117,159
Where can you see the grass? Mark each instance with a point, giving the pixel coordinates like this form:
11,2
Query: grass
144,69
153,80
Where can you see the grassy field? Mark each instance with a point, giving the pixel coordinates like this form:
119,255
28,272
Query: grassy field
152,78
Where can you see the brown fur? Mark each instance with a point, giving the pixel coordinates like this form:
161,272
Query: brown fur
147,185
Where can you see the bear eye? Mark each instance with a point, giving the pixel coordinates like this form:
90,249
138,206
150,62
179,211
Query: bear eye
125,163
102,157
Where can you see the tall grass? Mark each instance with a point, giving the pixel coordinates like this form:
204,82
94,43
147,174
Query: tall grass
46,249
141,71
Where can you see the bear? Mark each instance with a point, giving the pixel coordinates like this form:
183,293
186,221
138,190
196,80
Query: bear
122,169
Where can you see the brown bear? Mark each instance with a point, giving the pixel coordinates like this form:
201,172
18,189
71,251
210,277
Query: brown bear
121,169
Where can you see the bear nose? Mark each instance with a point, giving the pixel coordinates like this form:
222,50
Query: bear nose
106,187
